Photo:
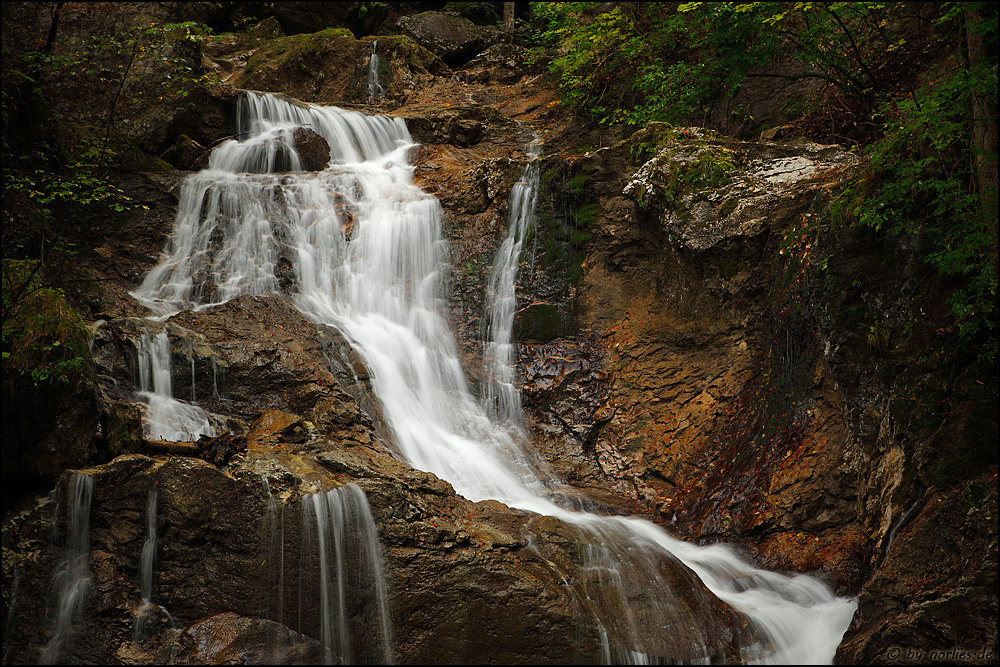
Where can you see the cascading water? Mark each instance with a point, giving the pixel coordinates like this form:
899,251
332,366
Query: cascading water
368,258
73,572
148,611
339,595
503,400
166,417
375,90
147,564
340,576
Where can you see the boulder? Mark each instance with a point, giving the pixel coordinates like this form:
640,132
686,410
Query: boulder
466,584
313,150
710,192
231,639
452,38
501,63
361,18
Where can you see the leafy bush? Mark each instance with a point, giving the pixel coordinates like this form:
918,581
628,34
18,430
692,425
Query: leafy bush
43,336
639,62
922,184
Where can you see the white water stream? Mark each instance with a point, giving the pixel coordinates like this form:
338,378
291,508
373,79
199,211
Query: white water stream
73,572
503,400
375,90
368,257
166,417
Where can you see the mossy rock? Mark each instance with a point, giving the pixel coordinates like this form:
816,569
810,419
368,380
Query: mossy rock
318,67
123,429
454,39
540,323
51,405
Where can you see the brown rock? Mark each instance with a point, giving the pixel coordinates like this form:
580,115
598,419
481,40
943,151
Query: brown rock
452,38
313,150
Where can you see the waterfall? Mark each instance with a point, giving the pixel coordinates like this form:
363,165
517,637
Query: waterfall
341,568
166,417
375,90
339,595
369,260
73,572
148,611
503,400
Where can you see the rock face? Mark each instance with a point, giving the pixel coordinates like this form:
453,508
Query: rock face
330,67
734,404
701,344
458,571
452,38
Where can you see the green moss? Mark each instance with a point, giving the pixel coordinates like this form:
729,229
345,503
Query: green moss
727,207
586,215
44,337
575,185
711,168
280,51
539,322
645,143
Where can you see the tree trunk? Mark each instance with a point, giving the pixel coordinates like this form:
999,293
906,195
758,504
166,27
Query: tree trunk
984,122
508,17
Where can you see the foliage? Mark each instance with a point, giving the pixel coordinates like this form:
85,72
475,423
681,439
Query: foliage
56,182
43,336
45,207
899,80
922,185
56,178
638,62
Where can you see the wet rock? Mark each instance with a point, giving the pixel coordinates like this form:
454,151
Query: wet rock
566,392
464,584
313,150
204,114
274,427
231,639
315,67
838,555
539,322
453,38
331,67
122,250
936,590
122,428
501,63
274,359
187,154
480,13
269,28
457,126
306,17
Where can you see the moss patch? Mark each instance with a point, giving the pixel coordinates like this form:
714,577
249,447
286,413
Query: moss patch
297,48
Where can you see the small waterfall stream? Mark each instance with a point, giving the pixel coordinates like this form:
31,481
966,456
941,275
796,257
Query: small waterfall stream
340,563
148,613
166,417
339,595
503,400
73,572
369,259
375,90
147,562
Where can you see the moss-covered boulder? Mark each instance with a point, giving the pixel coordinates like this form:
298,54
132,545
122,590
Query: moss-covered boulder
50,402
453,38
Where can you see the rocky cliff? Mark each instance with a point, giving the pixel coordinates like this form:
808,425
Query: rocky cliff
702,343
